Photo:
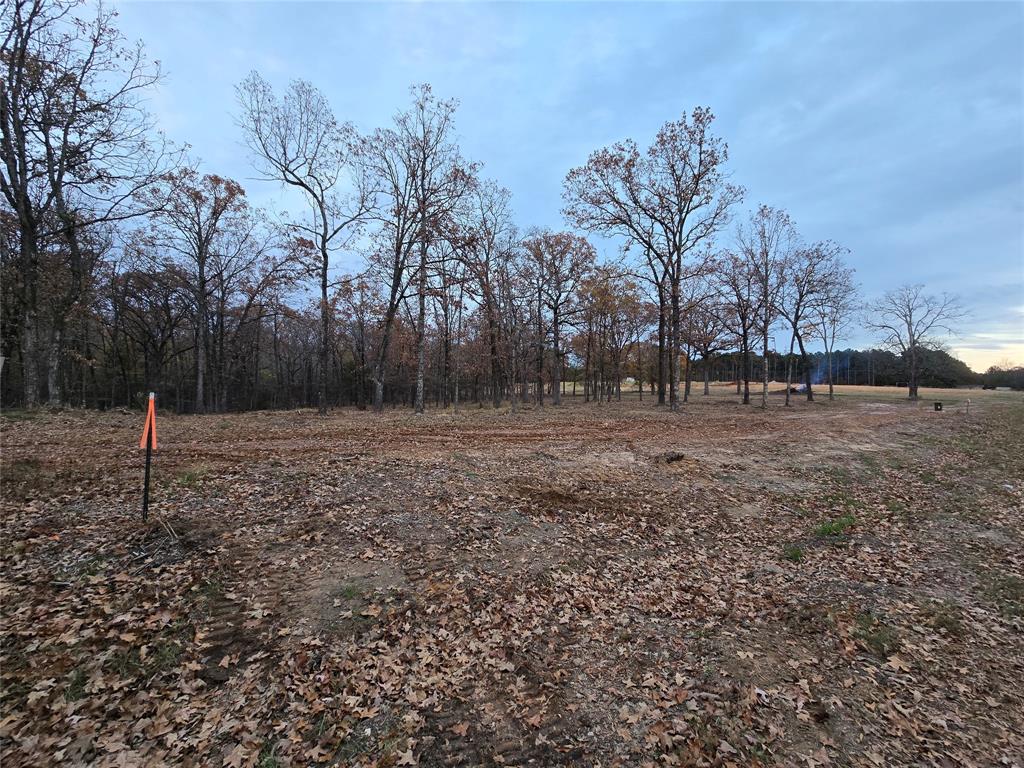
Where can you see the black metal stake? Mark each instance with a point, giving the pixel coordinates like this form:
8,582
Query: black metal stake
145,486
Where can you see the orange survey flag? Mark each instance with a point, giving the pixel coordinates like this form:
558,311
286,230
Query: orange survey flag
150,423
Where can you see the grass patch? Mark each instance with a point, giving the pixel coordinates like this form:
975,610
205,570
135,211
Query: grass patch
193,475
349,591
871,463
383,738
93,565
205,594
161,657
164,656
21,414
793,552
844,499
21,469
946,618
875,635
24,477
212,587
835,527
268,757
76,686
838,475
125,663
1007,592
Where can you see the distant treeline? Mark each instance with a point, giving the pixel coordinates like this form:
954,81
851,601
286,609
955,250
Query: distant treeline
872,367
869,367
1004,376
266,378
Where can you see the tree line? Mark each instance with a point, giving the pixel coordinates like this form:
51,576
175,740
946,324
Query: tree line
128,267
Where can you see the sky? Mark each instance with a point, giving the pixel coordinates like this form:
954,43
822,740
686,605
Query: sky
894,129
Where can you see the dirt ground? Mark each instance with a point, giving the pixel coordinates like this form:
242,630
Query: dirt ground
836,583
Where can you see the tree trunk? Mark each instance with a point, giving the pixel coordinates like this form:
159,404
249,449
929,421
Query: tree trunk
686,384
540,352
325,334
764,373
30,321
202,340
674,343
831,395
458,354
421,330
746,369
513,374
361,371
492,332
378,387
640,370
53,394
661,345
446,357
912,379
789,366
30,358
807,368
587,384
385,343
556,395
225,367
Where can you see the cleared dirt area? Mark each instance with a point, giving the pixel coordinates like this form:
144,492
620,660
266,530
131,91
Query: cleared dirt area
836,583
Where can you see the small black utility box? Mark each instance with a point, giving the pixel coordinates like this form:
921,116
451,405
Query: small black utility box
938,406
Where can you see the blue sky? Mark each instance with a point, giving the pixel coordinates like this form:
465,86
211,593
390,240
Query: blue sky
896,129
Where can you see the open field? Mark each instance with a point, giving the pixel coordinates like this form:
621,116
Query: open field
831,584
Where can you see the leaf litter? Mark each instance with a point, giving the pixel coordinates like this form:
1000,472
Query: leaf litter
607,585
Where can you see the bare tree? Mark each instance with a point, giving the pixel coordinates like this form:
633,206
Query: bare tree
910,321
393,241
766,242
832,312
561,260
612,313
657,278
249,265
420,180
144,306
669,199
76,145
739,287
707,328
441,178
201,212
297,140
514,295
449,301
490,241
809,283
698,291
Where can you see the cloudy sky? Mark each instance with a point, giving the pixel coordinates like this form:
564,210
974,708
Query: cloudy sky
896,129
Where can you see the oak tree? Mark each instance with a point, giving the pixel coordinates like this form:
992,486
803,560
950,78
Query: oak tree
296,139
670,199
912,321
